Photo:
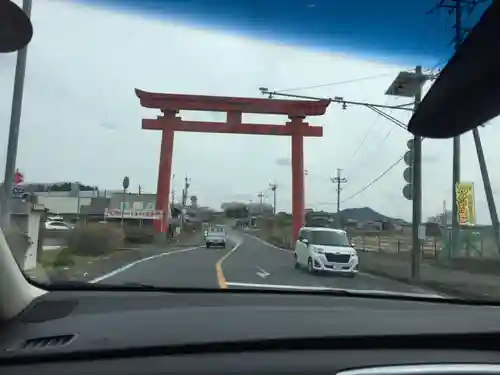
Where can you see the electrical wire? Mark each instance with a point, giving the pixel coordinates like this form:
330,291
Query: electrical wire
367,134
367,186
384,139
337,82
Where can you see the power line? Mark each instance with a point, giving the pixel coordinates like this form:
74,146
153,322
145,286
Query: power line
388,134
368,133
366,187
336,83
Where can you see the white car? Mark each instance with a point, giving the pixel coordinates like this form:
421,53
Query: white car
216,236
57,225
325,249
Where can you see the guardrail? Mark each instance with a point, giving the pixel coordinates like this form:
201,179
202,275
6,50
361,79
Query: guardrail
389,244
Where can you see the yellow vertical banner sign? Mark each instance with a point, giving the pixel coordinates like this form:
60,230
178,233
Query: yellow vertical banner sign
466,207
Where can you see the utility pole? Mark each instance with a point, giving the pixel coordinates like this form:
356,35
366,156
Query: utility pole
78,203
185,191
184,199
409,84
261,199
417,186
487,187
15,121
456,144
339,180
458,7
273,189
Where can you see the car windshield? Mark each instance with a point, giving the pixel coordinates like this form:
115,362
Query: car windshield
194,143
329,238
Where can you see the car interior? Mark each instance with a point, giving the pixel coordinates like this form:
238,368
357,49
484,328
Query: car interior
106,329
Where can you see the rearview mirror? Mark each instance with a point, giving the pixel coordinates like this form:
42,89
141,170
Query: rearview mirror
16,29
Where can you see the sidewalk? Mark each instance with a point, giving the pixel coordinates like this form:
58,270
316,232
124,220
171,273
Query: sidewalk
453,282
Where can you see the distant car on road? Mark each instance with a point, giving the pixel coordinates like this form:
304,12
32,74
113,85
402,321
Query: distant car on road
326,249
57,225
55,218
216,236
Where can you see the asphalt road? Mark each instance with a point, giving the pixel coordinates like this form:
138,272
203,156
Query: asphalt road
247,262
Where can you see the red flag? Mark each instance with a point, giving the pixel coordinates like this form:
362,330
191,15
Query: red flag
18,177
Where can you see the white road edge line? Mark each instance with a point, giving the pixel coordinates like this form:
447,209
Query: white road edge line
267,243
130,265
422,290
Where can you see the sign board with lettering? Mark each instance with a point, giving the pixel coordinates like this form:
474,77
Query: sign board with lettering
18,191
466,203
134,214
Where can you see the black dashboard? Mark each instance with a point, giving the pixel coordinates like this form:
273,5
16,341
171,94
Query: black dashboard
129,332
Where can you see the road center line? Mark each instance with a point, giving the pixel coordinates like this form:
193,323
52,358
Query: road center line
218,268
130,265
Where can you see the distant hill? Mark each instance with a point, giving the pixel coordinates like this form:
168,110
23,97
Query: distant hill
364,214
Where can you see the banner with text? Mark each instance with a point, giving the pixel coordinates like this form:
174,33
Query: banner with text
466,207
134,214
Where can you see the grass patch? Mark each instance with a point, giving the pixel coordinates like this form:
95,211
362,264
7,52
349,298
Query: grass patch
52,259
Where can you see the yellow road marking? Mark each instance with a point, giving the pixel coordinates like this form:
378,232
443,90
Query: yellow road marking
218,268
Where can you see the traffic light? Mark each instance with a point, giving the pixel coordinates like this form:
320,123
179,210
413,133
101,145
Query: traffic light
408,172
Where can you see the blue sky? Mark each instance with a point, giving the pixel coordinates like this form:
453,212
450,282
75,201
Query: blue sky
81,120
400,31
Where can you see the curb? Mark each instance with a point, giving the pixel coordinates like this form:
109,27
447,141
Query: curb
439,288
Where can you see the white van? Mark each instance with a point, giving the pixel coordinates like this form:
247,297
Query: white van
216,236
325,249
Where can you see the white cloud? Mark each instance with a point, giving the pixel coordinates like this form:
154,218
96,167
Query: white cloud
81,119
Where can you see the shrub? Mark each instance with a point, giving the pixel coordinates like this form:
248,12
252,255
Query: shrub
138,235
94,239
64,258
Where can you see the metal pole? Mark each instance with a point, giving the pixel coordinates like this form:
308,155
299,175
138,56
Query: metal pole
274,201
455,227
15,120
339,180
273,188
338,190
416,188
487,187
78,203
250,214
123,205
184,200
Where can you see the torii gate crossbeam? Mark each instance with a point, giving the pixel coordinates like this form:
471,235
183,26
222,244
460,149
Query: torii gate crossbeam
170,122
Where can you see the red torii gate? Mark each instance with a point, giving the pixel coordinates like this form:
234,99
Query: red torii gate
171,104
